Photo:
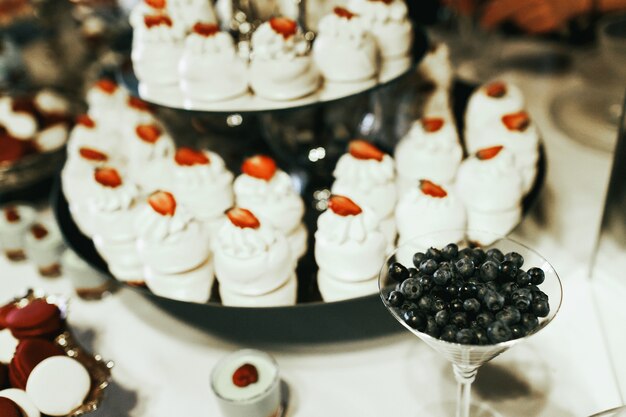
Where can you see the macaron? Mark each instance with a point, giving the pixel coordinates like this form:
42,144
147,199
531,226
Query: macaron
20,398
8,343
58,385
4,310
28,355
37,319
4,377
8,408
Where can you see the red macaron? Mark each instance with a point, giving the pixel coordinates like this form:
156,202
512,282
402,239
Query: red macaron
4,311
8,408
37,319
4,377
28,354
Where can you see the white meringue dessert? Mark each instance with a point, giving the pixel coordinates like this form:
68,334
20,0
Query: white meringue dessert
191,286
149,151
487,104
285,295
105,100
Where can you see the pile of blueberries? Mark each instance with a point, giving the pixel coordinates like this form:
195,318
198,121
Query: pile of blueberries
469,296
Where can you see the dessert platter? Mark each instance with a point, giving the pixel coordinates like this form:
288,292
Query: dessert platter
43,370
141,220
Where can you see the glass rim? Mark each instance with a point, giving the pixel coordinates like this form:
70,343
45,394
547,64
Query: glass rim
499,237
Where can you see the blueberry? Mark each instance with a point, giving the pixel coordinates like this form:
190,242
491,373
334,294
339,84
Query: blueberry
498,332
456,305
448,333
415,319
466,267
496,255
438,291
466,253
508,271
439,305
514,257
471,305
508,288
442,276
481,336
540,308
395,298
475,281
523,279
478,254
418,257
494,301
426,303
484,319
465,336
509,315
426,281
492,285
442,317
432,329
537,276
522,303
522,292
530,321
482,290
428,266
517,331
413,273
435,254
459,319
540,295
450,251
489,271
452,291
468,291
408,305
398,272
411,289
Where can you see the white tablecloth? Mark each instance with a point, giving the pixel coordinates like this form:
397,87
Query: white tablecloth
162,366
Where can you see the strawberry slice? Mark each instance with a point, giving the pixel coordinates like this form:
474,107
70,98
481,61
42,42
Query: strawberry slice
11,214
138,104
343,12
163,203
85,120
245,375
148,133
284,26
107,85
190,157
156,4
432,189
343,206
361,149
39,231
496,89
206,29
432,124
109,177
157,20
516,121
259,166
243,218
93,155
488,153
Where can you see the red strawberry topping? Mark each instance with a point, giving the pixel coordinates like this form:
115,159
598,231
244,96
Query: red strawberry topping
488,153
343,206
243,218
93,155
343,12
190,157
432,124
361,149
137,103
432,189
496,89
206,29
11,214
148,133
107,85
39,231
163,203
284,26
156,20
85,120
108,177
259,166
517,121
156,4
245,375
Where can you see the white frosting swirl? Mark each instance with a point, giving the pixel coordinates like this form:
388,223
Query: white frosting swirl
267,44
436,66
483,109
342,229
243,243
155,227
108,199
199,176
380,11
352,31
105,107
220,43
142,151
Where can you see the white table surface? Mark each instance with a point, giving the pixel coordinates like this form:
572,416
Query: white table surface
162,366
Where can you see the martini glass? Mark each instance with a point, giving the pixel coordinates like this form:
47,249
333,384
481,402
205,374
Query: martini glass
467,359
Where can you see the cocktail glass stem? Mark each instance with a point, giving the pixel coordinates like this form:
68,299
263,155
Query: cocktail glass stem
465,376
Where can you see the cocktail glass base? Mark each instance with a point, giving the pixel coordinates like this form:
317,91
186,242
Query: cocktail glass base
448,409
